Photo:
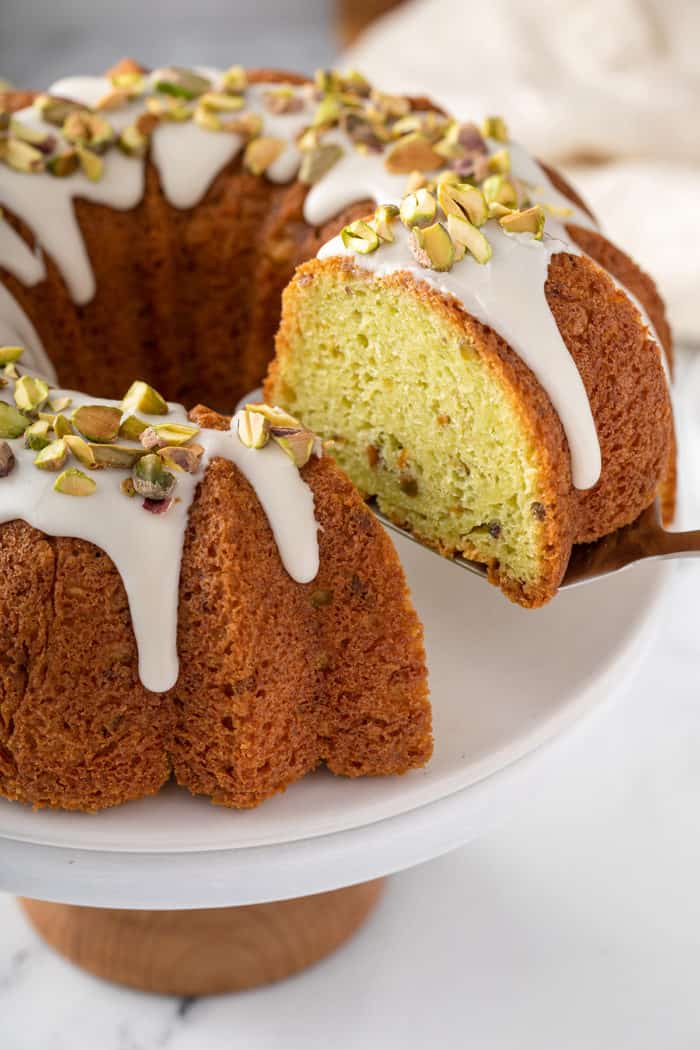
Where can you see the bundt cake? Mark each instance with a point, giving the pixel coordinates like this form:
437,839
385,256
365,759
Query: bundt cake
222,607
486,363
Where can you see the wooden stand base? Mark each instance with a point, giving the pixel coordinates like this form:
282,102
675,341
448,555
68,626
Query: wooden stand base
205,952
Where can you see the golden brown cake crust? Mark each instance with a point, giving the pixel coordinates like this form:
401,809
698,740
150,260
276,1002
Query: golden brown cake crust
187,299
275,677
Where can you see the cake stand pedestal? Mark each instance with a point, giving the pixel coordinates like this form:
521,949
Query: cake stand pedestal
205,951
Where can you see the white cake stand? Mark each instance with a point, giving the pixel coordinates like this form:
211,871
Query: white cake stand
255,896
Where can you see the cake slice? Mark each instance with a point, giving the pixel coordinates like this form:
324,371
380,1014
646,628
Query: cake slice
504,402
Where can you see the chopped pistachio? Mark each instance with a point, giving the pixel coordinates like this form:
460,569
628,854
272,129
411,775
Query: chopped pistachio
283,99
327,112
529,221
53,457
97,422
316,162
63,164
253,429
73,482
463,200
121,457
360,237
327,80
432,246
219,102
134,83
12,422
21,156
499,162
132,428
157,506
498,210
413,152
132,141
88,130
127,487
234,80
158,435
36,436
180,82
276,417
495,128
470,237
30,393
352,80
207,119
10,354
151,479
498,188
247,125
140,397
7,459
60,404
61,426
296,442
174,109
185,457
92,165
117,98
391,105
418,209
44,142
261,153
384,217
56,110
81,450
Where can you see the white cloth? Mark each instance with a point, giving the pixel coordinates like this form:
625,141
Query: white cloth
613,81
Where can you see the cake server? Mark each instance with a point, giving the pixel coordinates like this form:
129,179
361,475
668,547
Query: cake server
645,539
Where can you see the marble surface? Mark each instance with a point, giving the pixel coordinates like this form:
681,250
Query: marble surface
575,925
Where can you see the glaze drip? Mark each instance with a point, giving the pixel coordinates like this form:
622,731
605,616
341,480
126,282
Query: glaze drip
147,549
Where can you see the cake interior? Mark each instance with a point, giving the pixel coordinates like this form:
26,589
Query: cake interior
417,419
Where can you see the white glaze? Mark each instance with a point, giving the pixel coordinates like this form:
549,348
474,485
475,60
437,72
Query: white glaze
146,548
17,330
18,258
187,158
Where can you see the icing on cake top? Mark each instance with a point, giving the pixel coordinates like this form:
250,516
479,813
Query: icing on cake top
146,548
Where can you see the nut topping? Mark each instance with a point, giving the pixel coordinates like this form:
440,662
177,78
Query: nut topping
140,397
53,457
97,422
12,422
432,247
413,152
74,483
253,429
30,393
7,459
151,479
261,153
418,209
360,237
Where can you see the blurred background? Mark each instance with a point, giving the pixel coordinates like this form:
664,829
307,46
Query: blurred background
607,89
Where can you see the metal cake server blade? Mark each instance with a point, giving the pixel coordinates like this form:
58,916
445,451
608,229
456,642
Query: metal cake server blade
645,539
